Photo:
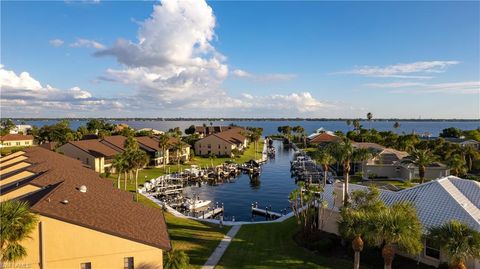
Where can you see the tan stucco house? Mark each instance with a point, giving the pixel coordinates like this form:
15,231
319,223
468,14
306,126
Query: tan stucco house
84,222
92,153
222,143
16,140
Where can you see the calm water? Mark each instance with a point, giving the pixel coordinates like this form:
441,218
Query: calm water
272,188
270,127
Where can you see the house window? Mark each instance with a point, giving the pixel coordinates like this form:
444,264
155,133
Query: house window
86,265
432,250
27,142
209,146
18,143
128,263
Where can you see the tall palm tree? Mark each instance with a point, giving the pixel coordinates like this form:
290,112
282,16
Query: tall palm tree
343,154
458,241
355,221
163,144
457,165
177,147
354,225
324,157
361,155
254,136
139,160
396,226
177,259
17,222
421,159
119,164
470,154
357,126
369,118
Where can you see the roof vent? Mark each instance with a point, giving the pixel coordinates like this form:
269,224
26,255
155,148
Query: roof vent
65,202
83,188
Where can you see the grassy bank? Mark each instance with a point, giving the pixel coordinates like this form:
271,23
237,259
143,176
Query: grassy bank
263,246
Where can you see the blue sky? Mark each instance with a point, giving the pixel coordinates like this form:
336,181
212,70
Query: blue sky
240,59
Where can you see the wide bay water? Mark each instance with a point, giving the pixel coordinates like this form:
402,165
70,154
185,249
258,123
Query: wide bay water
270,127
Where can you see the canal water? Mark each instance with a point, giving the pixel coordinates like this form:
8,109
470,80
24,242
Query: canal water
271,189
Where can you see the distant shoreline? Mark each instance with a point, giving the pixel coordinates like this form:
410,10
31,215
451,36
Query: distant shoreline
239,119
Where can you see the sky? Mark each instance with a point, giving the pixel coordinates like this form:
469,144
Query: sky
192,58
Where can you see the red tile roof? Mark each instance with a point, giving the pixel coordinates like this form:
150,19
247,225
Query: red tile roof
324,138
102,208
15,137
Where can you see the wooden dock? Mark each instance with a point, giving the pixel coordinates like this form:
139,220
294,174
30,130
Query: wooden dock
211,213
265,212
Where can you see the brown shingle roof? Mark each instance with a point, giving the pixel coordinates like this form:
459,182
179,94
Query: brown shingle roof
95,148
15,137
149,142
102,208
115,141
233,136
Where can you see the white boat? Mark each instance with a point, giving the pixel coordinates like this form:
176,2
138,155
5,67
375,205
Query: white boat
191,204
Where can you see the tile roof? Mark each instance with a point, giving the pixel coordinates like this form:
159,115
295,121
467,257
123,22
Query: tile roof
15,137
437,201
95,148
102,208
324,138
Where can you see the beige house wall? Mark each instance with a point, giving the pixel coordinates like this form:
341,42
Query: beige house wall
97,164
218,146
56,244
401,171
16,143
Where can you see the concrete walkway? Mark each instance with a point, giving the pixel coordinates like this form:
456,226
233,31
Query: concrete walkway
218,253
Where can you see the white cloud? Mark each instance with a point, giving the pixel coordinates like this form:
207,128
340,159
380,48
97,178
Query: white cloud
263,77
25,91
464,87
56,42
87,43
403,70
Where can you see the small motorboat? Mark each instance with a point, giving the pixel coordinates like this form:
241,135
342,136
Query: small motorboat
192,204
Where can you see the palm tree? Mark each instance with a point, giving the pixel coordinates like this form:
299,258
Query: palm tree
459,242
139,160
255,134
422,159
343,154
369,118
177,259
163,144
361,155
470,154
396,226
354,225
177,147
17,222
357,126
355,221
457,165
119,164
324,157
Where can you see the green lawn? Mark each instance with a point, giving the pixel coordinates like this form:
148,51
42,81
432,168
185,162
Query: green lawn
197,239
272,246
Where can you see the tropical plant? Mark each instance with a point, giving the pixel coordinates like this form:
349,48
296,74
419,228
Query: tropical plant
17,222
369,118
355,221
163,144
119,163
396,227
457,164
302,201
139,159
324,157
470,154
458,241
177,259
421,159
254,136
